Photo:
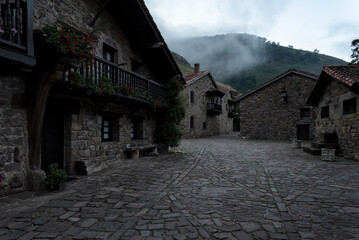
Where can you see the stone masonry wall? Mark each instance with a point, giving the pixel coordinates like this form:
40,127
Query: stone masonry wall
79,14
198,109
13,134
83,136
345,126
225,122
265,115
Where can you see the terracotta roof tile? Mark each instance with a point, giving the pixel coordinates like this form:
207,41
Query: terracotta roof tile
348,74
192,76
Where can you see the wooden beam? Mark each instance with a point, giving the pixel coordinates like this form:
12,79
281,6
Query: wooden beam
148,45
92,23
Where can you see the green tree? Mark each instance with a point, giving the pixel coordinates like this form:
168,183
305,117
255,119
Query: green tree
355,49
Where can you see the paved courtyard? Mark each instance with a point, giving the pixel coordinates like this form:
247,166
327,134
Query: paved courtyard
221,188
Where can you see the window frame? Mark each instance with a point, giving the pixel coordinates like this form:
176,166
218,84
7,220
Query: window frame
191,122
304,113
350,106
192,96
325,113
110,129
134,134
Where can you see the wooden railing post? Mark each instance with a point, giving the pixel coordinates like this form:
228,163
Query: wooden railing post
18,22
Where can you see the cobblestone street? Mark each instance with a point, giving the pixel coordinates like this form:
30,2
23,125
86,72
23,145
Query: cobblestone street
221,188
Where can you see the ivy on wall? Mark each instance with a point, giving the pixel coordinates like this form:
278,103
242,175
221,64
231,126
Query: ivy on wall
169,118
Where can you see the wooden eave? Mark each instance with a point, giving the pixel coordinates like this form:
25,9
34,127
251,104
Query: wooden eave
136,22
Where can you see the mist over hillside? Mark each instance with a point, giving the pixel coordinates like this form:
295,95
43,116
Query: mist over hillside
245,61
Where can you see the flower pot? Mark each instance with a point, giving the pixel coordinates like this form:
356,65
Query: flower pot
328,154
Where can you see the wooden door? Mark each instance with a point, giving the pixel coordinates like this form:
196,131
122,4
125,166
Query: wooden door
303,132
52,140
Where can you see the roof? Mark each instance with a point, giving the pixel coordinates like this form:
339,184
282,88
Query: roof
265,84
193,77
224,87
215,91
136,22
346,74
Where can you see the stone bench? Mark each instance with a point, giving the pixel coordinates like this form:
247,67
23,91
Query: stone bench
148,150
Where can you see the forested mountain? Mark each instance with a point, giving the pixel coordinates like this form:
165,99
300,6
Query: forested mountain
244,61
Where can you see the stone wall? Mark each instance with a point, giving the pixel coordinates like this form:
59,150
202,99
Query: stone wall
264,114
225,122
345,126
198,110
83,140
79,14
13,134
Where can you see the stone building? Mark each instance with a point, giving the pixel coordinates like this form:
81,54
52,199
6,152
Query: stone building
209,109
277,108
336,96
47,117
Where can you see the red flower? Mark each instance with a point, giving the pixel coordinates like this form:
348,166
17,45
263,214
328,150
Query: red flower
82,54
101,90
69,38
59,39
79,58
69,48
89,44
100,84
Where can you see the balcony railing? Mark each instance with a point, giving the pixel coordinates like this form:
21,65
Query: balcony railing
16,33
119,77
214,108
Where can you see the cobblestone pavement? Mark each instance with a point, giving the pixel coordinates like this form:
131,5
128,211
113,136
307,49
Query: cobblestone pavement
221,188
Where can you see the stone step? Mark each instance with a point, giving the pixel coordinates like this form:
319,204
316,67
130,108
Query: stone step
313,151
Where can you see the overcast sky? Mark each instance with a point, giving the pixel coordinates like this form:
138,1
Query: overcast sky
326,25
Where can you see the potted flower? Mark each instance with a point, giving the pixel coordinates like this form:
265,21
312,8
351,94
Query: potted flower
328,154
55,178
70,44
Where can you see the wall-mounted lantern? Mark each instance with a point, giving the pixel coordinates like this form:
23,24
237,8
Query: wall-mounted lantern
284,95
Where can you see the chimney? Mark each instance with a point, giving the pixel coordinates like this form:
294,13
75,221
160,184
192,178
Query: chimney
196,68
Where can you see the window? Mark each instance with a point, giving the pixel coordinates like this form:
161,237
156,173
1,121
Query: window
324,112
135,65
350,106
204,125
136,129
191,122
107,129
304,113
192,96
109,53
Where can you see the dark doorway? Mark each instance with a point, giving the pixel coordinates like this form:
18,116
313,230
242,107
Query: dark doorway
52,140
303,132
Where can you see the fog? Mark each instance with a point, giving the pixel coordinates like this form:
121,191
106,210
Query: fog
329,26
231,53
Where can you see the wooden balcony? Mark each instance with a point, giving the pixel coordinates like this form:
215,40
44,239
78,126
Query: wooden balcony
16,32
119,76
231,114
214,109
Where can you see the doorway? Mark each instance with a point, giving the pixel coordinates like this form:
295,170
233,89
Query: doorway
52,139
303,132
